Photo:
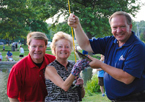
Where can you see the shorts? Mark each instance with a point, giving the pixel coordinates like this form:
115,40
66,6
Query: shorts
10,59
21,55
101,81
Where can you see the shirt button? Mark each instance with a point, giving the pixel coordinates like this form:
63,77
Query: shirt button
39,75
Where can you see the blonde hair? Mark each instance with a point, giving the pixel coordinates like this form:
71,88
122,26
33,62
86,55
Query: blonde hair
60,35
36,35
128,18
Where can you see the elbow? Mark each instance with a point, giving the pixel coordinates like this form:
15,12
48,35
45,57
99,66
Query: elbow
128,79
127,82
65,89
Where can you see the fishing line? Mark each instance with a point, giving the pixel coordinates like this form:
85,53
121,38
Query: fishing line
72,32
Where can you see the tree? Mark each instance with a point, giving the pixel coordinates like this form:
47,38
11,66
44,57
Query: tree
142,36
139,27
18,17
13,15
93,14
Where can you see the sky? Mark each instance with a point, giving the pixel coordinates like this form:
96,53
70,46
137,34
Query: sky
141,13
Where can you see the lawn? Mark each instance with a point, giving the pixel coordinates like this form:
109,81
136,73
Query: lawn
16,53
95,97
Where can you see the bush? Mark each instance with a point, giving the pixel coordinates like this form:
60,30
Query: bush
92,85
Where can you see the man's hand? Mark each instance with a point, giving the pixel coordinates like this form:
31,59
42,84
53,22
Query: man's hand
95,63
73,20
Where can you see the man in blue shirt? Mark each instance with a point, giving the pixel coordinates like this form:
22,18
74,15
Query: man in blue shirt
124,53
9,56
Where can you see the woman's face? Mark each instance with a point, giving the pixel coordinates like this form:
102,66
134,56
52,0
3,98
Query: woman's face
62,49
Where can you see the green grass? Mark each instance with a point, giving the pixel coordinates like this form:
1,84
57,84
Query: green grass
16,53
92,91
95,97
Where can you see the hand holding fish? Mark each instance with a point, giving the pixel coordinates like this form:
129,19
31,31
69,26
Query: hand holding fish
95,63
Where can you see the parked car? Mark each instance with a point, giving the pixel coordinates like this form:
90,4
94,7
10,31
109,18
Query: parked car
1,43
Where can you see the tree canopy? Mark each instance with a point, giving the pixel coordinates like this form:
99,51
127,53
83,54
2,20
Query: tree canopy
93,14
18,17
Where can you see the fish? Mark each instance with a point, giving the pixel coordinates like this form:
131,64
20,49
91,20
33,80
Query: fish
81,56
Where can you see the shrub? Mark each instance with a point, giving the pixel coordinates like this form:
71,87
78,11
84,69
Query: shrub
92,85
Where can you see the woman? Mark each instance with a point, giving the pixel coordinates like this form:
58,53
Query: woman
59,77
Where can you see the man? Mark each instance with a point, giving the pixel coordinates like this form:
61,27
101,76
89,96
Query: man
1,57
124,57
26,80
21,55
9,56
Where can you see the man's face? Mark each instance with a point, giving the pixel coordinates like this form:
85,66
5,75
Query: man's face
120,29
37,50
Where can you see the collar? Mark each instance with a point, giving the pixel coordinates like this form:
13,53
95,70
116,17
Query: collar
61,64
32,65
129,41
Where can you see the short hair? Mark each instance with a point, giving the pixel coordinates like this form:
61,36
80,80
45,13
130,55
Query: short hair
60,35
36,35
128,18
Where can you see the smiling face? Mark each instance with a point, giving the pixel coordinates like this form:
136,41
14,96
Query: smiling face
120,29
62,49
37,50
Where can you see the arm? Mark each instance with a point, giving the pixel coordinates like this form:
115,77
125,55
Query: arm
51,74
116,73
81,83
81,37
82,91
13,99
99,69
14,84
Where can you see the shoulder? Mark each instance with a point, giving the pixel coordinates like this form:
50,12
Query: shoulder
137,45
104,38
52,63
20,64
102,41
50,57
50,71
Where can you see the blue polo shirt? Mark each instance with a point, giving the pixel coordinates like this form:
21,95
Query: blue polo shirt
130,57
9,54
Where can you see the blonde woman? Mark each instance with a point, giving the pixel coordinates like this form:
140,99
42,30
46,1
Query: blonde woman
60,74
